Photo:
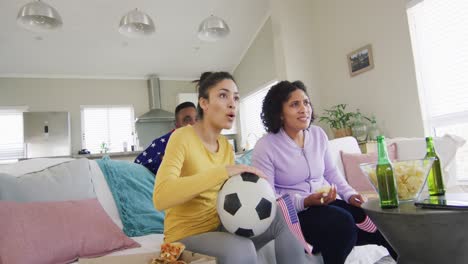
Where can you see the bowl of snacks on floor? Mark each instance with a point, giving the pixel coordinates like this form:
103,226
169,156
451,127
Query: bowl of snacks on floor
410,176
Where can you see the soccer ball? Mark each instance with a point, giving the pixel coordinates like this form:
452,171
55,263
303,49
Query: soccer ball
246,205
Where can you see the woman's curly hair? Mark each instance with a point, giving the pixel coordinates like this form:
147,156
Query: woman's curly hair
273,104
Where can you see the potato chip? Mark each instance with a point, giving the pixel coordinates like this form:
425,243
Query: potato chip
323,189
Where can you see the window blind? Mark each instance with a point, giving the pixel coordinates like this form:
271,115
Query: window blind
251,123
112,125
439,35
11,135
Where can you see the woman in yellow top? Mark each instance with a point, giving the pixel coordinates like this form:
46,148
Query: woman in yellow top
197,162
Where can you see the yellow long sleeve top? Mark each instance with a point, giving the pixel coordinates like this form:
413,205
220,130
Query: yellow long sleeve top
187,184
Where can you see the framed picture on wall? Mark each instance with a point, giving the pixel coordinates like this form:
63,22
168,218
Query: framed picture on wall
360,60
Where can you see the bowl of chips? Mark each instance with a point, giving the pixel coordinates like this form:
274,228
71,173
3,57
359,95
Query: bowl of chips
410,176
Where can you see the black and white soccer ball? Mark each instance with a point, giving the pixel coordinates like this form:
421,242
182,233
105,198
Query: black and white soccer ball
246,205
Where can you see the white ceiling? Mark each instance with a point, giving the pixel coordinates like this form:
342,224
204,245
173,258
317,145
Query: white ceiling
90,46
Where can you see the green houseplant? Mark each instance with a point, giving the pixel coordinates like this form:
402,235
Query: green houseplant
338,119
344,123
104,147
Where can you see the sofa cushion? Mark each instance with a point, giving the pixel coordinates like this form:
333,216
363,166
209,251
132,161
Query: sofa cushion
69,180
31,165
132,187
346,144
245,158
355,177
57,232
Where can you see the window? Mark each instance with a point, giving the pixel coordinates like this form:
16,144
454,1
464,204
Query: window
112,125
11,136
439,35
251,124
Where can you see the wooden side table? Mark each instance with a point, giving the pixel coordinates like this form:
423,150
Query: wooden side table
422,235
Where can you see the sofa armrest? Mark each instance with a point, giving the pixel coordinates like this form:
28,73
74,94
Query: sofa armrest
345,144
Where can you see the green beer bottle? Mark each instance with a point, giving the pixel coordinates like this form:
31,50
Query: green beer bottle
435,181
385,179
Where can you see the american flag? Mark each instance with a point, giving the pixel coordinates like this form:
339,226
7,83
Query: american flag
152,156
289,213
367,225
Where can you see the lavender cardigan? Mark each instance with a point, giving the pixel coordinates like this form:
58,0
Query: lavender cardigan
299,171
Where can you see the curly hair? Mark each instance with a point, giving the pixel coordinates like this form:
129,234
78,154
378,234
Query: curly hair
273,104
206,81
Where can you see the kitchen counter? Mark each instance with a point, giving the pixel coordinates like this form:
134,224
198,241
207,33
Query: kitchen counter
127,155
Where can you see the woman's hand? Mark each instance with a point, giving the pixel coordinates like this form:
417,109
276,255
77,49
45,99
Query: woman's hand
319,199
240,168
356,200
314,199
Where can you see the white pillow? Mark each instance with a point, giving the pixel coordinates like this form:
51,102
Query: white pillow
103,193
65,181
367,254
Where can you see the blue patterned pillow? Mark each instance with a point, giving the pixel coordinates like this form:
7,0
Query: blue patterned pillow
132,188
246,158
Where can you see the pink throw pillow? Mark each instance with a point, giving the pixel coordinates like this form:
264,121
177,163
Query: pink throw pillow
57,232
356,178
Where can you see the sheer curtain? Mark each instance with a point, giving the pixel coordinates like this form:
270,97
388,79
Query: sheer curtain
439,36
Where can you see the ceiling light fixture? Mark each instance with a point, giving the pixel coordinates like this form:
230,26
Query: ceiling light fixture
212,29
39,16
136,24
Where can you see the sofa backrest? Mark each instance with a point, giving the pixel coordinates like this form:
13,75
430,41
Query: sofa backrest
345,144
446,147
408,148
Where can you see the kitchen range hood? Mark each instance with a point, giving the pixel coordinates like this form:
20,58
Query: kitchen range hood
156,114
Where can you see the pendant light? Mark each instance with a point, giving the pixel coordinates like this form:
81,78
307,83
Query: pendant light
38,16
136,24
212,29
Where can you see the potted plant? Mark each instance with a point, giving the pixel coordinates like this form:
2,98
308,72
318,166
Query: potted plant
104,147
338,120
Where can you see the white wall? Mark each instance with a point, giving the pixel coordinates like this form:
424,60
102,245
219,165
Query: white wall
312,39
389,90
257,67
69,94
169,91
296,45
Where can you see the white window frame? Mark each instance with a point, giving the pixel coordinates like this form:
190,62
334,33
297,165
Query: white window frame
249,139
441,122
83,128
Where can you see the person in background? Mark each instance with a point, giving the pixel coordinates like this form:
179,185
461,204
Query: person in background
151,157
198,161
294,156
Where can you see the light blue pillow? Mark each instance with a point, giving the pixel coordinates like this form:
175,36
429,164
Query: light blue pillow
132,186
246,158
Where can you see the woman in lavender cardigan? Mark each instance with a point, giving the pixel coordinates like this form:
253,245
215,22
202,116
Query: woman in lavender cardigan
295,157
